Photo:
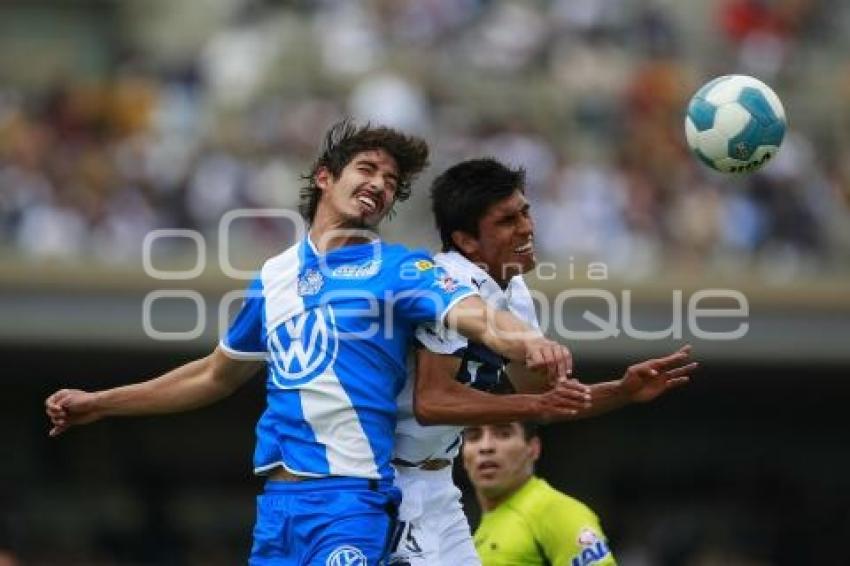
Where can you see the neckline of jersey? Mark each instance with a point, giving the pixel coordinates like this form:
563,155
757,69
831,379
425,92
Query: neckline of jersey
346,249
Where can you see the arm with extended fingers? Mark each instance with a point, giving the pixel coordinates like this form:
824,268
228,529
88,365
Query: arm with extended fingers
642,382
195,384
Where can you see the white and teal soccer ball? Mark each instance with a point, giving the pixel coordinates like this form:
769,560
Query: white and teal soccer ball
735,124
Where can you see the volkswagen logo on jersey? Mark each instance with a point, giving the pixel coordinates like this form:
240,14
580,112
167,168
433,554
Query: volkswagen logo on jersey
303,346
346,556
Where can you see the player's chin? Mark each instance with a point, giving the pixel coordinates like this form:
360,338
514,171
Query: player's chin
487,478
362,221
522,263
374,218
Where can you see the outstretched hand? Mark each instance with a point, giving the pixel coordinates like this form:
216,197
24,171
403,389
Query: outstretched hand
69,407
647,380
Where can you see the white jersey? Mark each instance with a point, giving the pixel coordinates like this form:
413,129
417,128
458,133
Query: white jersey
432,529
480,368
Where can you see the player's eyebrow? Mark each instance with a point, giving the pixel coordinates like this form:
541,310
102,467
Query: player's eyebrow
511,214
363,161
373,165
508,427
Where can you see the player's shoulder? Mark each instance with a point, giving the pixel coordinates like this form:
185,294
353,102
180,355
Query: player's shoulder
460,268
277,266
398,260
543,499
289,257
571,521
400,253
553,508
563,525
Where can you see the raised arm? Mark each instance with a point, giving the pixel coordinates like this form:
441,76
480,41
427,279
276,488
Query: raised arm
525,380
507,335
195,384
641,382
440,399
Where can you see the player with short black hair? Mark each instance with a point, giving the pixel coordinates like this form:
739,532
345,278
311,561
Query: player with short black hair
462,194
490,245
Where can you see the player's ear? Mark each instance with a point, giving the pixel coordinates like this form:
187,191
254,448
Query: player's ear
534,448
464,242
323,177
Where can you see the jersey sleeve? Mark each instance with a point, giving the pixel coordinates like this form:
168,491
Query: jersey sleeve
522,304
246,337
426,291
440,340
571,534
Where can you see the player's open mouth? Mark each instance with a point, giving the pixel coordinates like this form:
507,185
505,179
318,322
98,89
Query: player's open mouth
370,202
487,466
525,248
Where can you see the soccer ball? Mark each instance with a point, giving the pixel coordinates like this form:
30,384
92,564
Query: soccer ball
735,124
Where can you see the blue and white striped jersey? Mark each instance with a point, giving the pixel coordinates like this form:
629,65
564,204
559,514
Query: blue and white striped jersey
335,330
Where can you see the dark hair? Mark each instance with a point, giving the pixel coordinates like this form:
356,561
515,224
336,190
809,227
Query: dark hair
462,194
530,429
344,140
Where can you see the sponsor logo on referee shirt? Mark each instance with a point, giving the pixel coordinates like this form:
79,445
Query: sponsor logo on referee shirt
593,549
587,537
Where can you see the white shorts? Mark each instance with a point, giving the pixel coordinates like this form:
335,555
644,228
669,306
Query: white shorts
432,530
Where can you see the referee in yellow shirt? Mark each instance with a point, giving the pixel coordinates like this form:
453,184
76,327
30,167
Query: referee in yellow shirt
526,522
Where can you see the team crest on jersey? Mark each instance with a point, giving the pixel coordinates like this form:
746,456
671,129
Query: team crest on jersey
424,265
310,283
594,549
446,283
303,346
346,555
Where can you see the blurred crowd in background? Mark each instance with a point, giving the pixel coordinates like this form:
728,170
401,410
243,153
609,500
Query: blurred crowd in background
193,109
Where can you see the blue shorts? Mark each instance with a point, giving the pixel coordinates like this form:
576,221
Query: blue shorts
324,522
